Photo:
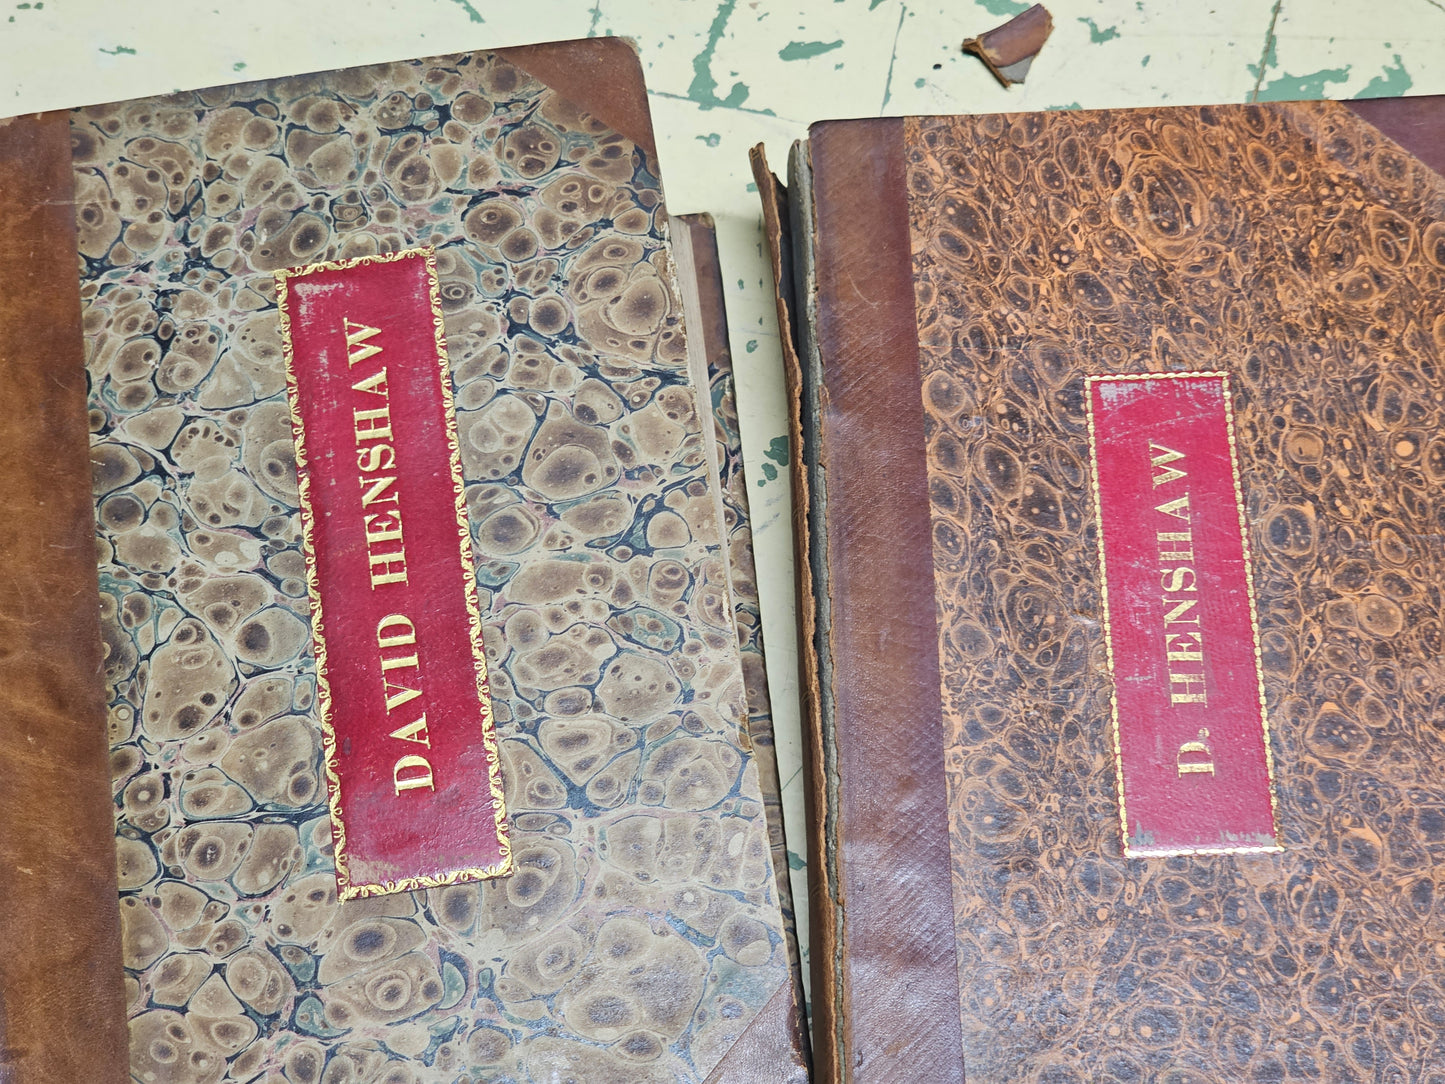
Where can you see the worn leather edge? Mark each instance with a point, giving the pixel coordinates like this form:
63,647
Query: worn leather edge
1417,124
812,524
898,973
1008,50
62,1001
702,347
602,75
822,915
758,1056
773,1047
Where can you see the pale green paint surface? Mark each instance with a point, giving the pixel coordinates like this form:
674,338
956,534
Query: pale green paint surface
703,89
472,13
1287,87
804,50
1392,82
777,451
1003,7
1097,36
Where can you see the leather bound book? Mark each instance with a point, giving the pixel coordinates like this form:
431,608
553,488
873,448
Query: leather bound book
1120,529
638,935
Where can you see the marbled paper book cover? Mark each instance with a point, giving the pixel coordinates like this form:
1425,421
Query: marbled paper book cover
1142,622
515,197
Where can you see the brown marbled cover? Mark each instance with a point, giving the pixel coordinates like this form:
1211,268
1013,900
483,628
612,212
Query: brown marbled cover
1297,248
640,934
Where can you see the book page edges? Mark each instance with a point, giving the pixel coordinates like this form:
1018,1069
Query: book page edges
787,223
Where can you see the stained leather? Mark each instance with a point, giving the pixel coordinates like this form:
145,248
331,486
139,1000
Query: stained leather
887,825
62,1008
1298,249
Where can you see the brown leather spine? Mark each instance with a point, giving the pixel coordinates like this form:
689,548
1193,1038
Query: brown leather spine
62,1004
897,975
602,75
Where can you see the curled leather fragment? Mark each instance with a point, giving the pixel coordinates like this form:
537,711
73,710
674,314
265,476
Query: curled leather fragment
1008,50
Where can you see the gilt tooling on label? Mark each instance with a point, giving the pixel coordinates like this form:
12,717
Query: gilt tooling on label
1190,733
412,769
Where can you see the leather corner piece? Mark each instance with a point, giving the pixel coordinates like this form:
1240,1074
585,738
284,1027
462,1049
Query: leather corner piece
769,1049
601,75
1009,50
1416,124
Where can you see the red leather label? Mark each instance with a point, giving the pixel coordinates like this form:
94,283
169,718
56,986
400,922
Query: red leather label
1190,733
411,755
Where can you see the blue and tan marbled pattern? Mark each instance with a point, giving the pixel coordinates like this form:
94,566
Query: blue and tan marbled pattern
747,612
640,931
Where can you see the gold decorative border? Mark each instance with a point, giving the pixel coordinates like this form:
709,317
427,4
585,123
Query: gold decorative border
346,888
1223,377
1253,611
